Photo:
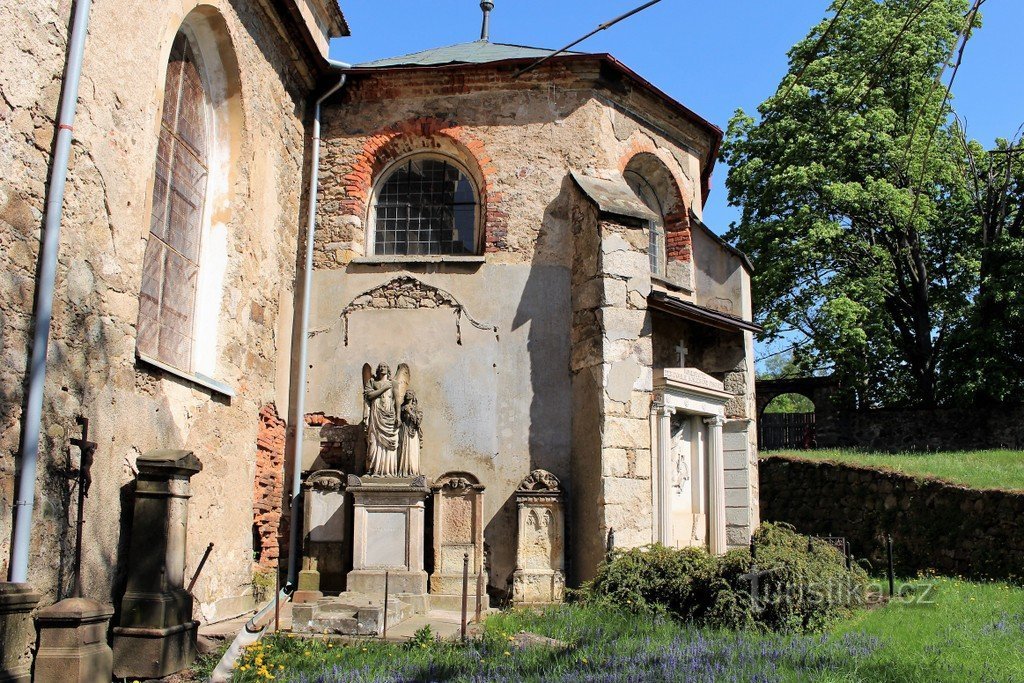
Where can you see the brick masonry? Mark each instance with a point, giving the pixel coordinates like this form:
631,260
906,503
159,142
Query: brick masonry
269,488
424,134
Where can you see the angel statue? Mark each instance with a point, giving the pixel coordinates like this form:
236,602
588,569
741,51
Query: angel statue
410,434
382,397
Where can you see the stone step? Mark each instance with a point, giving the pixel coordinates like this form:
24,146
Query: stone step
453,603
350,614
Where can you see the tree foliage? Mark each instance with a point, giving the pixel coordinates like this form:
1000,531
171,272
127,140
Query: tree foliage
987,351
854,205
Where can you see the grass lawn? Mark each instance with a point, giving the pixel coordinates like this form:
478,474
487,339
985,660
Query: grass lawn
971,632
994,469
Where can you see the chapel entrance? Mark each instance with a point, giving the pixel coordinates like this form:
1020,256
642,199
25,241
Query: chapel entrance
688,488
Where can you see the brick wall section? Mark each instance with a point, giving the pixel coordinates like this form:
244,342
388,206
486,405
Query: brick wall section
935,526
386,145
269,487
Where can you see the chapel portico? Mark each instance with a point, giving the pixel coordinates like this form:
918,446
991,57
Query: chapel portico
688,483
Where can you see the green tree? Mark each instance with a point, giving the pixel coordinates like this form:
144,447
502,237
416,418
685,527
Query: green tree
987,350
853,207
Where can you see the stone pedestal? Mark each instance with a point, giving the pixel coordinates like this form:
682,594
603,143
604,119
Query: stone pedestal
157,636
458,531
539,578
387,535
17,600
324,533
73,642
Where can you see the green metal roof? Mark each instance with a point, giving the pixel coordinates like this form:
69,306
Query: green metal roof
476,52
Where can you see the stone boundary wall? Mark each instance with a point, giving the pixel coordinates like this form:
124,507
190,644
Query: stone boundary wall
935,526
966,428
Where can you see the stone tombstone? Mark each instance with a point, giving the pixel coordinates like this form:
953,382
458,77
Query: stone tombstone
539,577
387,535
17,600
323,494
458,499
73,642
157,635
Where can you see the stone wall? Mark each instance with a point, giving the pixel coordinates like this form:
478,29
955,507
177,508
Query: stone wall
935,526
92,370
969,427
612,382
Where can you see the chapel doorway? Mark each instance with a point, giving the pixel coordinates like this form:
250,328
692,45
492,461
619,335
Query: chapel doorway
688,485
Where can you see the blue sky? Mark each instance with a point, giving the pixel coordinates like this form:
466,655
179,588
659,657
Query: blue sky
713,56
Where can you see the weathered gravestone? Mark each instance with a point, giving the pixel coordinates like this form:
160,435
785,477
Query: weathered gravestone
458,531
323,562
540,550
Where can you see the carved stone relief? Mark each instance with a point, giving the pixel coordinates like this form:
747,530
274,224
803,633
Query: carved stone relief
540,549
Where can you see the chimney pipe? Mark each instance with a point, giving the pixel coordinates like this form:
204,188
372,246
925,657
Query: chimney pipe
485,29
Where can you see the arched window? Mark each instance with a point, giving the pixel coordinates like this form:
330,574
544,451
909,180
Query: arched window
171,266
649,196
425,205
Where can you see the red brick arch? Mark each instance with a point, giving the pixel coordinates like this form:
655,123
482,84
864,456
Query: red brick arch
678,242
427,134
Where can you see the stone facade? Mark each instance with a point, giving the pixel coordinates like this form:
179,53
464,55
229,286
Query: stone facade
265,63
935,526
538,351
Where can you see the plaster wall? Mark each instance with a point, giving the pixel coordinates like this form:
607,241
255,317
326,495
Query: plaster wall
718,276
496,404
92,368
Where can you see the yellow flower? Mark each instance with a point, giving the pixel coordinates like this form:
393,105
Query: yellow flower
507,653
364,649
584,660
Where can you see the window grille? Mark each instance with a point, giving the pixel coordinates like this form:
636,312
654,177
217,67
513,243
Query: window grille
426,206
171,263
649,196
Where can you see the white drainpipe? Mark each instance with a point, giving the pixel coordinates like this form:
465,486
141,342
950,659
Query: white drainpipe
29,456
299,412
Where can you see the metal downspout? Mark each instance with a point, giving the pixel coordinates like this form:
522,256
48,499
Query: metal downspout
29,455
299,413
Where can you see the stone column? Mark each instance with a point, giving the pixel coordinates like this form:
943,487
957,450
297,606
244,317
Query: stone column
716,486
17,600
663,430
157,635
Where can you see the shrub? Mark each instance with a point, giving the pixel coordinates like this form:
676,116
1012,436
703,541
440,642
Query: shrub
790,586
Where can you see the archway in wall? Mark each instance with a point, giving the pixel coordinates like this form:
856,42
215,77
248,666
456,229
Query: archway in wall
787,421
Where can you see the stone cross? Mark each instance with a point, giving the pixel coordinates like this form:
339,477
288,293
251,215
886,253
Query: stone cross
682,352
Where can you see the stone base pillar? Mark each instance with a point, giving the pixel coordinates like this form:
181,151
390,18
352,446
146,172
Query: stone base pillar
387,535
73,642
157,635
17,600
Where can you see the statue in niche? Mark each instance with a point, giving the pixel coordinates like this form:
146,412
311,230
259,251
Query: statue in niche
385,401
410,434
